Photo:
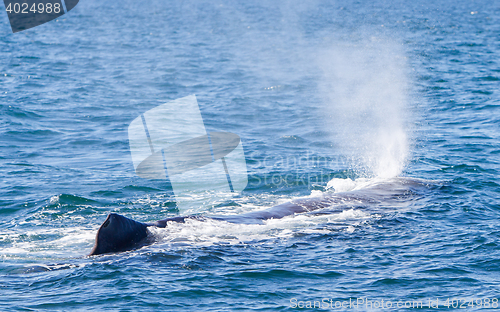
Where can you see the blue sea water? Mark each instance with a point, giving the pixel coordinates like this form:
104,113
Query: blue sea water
396,102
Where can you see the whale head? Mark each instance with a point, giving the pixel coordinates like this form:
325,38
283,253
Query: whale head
118,233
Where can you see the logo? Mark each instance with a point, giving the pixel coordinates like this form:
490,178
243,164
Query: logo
26,14
170,142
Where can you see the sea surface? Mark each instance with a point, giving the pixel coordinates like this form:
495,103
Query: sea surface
393,104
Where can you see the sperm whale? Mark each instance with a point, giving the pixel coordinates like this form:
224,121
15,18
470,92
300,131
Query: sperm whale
118,233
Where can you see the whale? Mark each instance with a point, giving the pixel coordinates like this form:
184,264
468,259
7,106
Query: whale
119,233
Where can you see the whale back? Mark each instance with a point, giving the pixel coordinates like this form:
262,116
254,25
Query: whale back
118,233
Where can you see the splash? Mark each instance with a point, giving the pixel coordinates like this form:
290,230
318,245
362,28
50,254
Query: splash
210,232
364,86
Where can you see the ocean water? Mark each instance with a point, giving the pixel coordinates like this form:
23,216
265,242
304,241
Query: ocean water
395,105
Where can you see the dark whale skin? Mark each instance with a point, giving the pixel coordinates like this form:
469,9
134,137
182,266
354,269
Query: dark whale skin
119,233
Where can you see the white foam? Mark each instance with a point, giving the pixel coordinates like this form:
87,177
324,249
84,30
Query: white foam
348,185
47,242
341,185
209,232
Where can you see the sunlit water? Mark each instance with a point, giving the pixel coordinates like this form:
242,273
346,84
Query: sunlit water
393,104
